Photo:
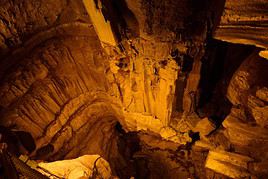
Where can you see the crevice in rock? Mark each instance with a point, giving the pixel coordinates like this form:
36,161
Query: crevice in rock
219,63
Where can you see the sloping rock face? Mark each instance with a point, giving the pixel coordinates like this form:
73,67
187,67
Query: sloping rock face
48,101
245,127
164,101
86,166
244,22
53,81
248,97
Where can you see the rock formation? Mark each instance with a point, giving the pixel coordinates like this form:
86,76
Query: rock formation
158,89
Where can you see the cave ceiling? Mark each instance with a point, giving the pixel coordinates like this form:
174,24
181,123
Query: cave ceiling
154,89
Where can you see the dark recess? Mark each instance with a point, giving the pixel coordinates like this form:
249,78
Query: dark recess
219,63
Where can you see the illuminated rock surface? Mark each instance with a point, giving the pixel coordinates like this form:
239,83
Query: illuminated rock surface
87,166
158,89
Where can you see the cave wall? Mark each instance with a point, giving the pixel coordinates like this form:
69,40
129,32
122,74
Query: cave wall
244,22
70,90
54,85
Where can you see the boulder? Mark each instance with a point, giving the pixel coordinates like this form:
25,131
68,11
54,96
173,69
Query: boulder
229,164
260,114
204,127
86,166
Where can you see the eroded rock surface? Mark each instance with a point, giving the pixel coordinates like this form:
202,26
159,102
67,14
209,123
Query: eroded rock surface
164,100
87,166
244,22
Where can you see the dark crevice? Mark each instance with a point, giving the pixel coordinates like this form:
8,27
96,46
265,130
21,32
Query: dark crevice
204,18
199,26
185,62
128,143
179,91
219,63
123,21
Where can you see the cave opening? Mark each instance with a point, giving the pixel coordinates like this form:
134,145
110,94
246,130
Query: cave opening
219,63
128,145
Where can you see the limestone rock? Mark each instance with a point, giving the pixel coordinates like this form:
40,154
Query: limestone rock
158,142
204,127
146,87
54,85
82,83
86,166
243,133
243,23
242,80
244,137
102,27
259,167
264,54
229,164
262,94
260,114
249,77
139,122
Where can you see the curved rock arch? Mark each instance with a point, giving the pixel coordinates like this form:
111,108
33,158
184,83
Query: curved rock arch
59,89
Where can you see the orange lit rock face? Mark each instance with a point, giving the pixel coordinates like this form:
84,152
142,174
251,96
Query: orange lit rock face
247,93
87,166
244,22
54,93
55,87
147,83
167,102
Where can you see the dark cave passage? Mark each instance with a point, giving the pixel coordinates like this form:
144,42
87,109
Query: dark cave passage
219,63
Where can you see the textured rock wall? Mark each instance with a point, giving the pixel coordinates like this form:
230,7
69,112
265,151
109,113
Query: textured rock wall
54,85
246,125
245,128
147,81
68,90
146,72
244,22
